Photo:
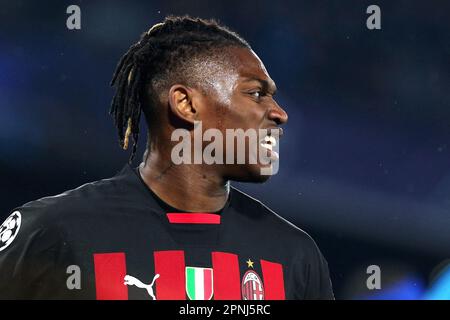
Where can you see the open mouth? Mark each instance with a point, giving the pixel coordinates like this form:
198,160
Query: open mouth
268,143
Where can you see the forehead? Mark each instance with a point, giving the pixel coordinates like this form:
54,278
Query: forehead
250,67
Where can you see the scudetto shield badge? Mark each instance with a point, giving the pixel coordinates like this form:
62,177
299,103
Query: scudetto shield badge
199,283
252,286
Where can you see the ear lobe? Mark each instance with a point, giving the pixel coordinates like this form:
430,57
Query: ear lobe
180,103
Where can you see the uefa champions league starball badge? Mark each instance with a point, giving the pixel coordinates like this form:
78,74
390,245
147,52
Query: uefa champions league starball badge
9,229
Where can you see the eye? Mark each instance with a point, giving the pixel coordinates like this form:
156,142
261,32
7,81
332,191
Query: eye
256,94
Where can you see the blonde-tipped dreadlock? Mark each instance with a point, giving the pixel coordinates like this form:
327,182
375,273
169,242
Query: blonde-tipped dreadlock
127,135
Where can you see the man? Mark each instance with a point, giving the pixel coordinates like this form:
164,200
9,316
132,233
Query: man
167,230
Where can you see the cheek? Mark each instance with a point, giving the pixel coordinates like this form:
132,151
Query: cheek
244,113
241,113
222,113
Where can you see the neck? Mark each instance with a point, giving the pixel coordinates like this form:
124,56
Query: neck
195,188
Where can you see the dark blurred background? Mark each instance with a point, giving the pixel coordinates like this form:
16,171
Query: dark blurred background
364,162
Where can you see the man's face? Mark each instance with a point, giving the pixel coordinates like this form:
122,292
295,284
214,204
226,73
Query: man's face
243,99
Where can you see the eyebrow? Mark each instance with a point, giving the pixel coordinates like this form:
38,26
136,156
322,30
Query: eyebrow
266,85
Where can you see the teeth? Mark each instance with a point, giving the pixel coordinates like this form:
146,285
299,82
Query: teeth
267,146
270,140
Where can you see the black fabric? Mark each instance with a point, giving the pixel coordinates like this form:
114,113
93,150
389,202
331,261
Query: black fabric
121,214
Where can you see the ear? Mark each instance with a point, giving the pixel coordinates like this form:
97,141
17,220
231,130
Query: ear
180,103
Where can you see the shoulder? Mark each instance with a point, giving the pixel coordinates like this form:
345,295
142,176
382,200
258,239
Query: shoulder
281,229
310,268
81,200
51,215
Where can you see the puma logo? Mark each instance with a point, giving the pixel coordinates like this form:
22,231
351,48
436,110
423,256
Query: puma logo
132,281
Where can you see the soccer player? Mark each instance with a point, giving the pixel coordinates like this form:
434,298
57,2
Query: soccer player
164,230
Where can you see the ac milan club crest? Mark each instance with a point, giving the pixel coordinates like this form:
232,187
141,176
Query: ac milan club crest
252,286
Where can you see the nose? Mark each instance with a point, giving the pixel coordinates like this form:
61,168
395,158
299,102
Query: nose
277,114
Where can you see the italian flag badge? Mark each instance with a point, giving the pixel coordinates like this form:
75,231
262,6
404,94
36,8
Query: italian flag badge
199,283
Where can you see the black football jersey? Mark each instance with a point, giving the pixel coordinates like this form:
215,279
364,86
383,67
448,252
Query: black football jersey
115,239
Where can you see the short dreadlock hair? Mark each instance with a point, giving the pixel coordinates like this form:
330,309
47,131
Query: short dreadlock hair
158,57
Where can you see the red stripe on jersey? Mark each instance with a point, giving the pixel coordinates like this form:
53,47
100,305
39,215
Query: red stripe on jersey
195,218
226,276
273,280
171,269
208,281
110,269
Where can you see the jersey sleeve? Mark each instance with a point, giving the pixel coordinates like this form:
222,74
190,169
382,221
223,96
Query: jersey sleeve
318,283
311,275
31,257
